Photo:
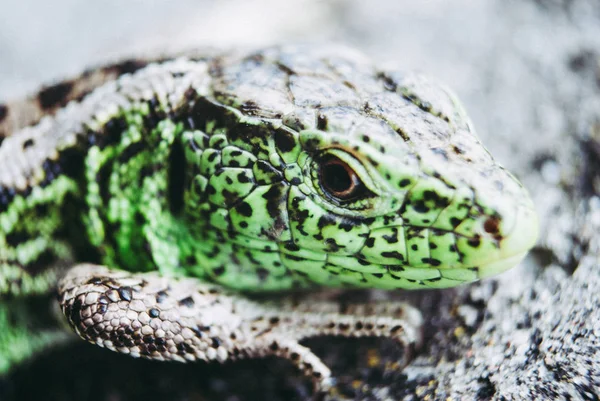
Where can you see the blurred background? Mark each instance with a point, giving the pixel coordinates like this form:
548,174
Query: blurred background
491,52
528,72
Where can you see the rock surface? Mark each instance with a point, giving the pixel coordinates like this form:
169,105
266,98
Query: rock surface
529,74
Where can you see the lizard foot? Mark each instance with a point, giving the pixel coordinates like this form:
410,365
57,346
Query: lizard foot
185,319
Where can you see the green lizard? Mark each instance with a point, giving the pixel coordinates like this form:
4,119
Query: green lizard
285,168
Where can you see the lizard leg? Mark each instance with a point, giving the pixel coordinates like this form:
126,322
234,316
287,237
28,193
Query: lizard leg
184,319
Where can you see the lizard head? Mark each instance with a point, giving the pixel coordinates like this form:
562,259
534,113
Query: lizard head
347,175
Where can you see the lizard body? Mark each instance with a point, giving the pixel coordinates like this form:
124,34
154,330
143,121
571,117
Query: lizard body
285,168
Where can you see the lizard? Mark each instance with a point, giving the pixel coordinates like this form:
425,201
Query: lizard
153,197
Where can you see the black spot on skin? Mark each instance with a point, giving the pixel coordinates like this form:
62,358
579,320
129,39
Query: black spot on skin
391,239
290,246
153,312
244,209
75,312
161,297
14,238
420,207
347,225
187,302
176,184
211,157
454,222
125,293
431,261
274,346
113,129
130,152
3,112
103,180
275,198
219,271
414,247
219,143
284,141
430,195
366,139
332,245
296,181
243,177
404,183
55,95
393,254
325,220
358,326
262,273
295,258
474,242
216,342
210,189
271,172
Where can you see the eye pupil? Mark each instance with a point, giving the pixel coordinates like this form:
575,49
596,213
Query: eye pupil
336,178
339,180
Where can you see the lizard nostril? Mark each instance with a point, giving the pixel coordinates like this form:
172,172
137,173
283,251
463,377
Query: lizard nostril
492,225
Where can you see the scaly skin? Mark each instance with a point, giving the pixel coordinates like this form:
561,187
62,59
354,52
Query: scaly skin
285,168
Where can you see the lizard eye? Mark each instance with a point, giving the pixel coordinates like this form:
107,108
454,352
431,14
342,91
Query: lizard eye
339,181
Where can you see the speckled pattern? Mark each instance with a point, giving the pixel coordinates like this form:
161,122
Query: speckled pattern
249,202
278,169
182,320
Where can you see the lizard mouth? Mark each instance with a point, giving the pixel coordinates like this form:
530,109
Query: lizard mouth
492,255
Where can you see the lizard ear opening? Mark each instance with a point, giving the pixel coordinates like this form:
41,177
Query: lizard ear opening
176,178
